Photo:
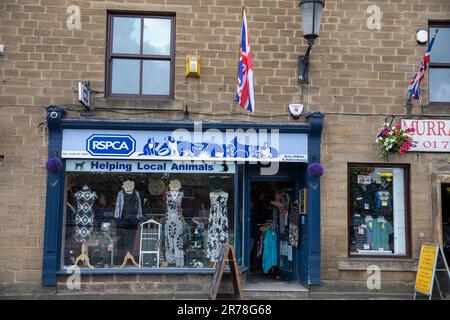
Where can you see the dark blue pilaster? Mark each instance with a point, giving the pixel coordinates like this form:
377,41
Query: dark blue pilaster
313,224
53,209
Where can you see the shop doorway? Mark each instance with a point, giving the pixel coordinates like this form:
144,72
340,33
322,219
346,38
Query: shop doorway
272,255
445,202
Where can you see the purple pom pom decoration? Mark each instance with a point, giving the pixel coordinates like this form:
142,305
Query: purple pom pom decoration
315,170
53,164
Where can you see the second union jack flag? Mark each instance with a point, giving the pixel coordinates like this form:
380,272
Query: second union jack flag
414,85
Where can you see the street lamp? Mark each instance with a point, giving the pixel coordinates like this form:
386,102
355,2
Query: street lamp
311,12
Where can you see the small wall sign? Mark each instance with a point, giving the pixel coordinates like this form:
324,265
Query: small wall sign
193,66
84,93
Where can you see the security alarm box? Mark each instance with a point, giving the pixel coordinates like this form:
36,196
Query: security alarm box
193,66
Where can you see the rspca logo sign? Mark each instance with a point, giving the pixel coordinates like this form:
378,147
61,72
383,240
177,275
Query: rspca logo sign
111,145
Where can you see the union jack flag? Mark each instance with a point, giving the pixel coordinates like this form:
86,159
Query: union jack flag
414,85
245,93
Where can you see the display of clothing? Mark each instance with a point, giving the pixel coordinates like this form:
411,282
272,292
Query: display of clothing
128,211
280,215
84,216
357,219
383,200
294,222
260,245
128,203
270,254
218,224
173,228
382,229
360,238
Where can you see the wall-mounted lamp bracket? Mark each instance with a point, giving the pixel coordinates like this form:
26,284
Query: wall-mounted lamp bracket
303,65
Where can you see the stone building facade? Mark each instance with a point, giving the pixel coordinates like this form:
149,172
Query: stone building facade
359,77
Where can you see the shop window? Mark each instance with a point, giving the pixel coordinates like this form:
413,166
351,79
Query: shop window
439,74
378,210
161,220
140,56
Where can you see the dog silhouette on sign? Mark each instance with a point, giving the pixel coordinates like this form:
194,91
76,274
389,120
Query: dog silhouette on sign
80,165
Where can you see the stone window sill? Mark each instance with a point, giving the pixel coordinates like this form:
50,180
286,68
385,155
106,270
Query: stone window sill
361,264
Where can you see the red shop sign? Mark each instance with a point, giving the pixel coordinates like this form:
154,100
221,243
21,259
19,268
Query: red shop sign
429,135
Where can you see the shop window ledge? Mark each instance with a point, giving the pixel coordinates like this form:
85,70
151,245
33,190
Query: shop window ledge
385,264
130,271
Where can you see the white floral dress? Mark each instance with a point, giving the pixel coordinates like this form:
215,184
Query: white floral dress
174,229
218,224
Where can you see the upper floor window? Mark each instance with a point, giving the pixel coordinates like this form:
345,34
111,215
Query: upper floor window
140,56
439,75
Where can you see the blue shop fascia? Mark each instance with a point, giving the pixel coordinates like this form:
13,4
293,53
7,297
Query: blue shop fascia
160,197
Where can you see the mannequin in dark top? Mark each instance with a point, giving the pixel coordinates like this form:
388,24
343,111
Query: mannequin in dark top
128,212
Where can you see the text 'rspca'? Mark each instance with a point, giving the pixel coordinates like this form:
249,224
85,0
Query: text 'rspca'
111,145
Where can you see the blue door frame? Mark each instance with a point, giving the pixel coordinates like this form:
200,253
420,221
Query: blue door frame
309,253
294,173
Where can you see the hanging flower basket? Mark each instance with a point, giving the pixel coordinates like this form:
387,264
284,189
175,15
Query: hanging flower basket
315,170
393,140
53,164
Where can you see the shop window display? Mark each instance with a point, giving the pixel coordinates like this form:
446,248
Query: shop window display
151,220
377,210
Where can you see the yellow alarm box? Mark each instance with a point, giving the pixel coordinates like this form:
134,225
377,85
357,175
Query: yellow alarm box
193,66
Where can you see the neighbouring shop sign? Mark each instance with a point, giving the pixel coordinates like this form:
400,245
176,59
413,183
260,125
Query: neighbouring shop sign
429,264
117,166
181,144
425,270
429,135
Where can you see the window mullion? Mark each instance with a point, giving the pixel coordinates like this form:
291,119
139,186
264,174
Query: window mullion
141,75
142,36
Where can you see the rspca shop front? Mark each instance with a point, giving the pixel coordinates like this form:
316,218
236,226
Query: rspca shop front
146,206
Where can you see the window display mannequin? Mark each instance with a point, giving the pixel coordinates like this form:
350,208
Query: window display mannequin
84,221
128,212
173,227
218,220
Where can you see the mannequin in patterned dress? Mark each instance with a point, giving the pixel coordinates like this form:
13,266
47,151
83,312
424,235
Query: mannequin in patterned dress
173,227
84,217
84,221
217,221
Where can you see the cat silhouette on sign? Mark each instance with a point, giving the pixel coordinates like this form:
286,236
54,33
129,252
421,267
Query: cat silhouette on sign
149,148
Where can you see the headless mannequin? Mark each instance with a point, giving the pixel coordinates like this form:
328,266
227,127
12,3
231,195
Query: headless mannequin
128,211
84,221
